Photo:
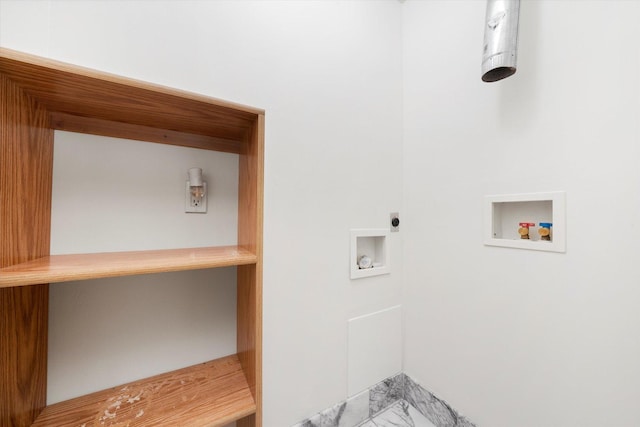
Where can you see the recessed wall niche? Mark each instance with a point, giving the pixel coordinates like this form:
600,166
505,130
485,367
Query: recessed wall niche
505,213
372,244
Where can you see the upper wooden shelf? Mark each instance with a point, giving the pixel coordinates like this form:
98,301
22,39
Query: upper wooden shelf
211,394
64,268
88,101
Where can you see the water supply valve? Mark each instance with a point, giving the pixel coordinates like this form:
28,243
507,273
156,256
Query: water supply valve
523,231
545,231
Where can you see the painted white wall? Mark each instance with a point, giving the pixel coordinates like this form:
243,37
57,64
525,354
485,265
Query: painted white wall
328,74
113,194
375,348
513,337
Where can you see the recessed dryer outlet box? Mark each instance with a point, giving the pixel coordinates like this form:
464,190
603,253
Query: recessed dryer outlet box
371,243
504,213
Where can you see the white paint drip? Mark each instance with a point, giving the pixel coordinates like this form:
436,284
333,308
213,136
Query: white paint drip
135,398
108,415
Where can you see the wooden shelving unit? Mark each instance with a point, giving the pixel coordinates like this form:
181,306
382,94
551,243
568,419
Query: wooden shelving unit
39,95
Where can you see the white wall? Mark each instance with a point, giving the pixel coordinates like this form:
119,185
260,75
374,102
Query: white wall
514,337
328,74
112,194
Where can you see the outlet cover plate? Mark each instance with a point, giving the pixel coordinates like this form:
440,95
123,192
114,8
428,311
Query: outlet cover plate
190,207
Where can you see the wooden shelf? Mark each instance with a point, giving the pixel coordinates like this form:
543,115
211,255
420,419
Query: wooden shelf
64,268
211,394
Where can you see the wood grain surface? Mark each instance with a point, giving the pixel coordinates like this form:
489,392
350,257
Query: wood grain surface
26,164
65,268
94,126
210,394
249,310
69,89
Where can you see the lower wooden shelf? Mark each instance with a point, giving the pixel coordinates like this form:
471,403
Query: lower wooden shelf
210,394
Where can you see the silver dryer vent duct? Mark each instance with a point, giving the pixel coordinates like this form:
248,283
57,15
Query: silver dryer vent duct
500,40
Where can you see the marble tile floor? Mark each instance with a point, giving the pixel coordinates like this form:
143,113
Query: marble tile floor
397,401
400,414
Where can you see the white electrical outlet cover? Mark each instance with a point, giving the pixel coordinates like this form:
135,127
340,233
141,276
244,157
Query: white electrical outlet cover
191,208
